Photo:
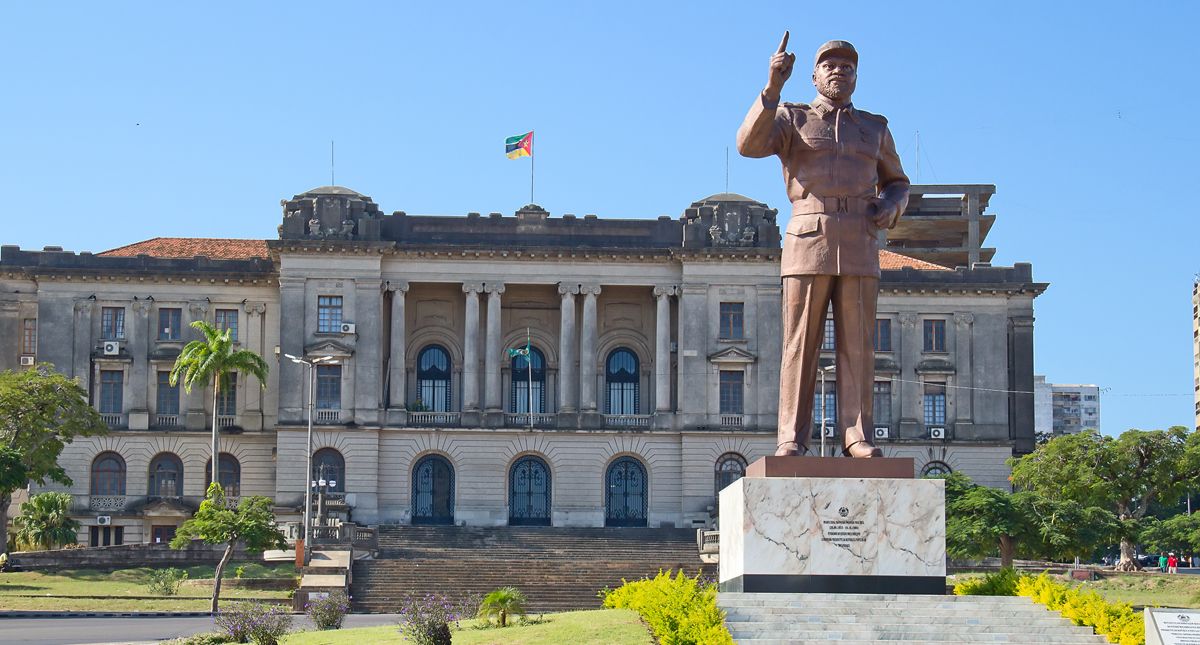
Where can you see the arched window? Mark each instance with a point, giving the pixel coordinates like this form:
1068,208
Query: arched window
936,468
229,476
166,476
329,465
730,468
523,380
108,474
621,379
433,380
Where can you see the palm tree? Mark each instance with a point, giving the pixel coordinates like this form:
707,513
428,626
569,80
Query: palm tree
502,602
212,360
45,522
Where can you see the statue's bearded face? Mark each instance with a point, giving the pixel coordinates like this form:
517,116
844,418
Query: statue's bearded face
835,78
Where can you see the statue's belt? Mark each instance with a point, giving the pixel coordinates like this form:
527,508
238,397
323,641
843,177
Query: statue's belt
831,205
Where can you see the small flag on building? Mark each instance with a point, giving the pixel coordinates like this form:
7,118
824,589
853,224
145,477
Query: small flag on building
519,146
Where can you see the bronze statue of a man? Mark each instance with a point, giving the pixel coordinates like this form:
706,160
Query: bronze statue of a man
845,182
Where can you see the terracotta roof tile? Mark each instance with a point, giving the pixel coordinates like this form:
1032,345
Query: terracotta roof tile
892,261
187,247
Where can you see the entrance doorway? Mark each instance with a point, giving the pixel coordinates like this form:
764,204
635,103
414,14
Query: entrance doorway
433,491
529,493
625,494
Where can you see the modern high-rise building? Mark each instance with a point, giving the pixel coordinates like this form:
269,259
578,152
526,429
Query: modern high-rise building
1061,408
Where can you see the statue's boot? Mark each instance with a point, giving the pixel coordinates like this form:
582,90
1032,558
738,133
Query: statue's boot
791,449
862,449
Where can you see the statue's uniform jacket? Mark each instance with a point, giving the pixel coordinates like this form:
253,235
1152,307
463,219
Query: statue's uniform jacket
834,161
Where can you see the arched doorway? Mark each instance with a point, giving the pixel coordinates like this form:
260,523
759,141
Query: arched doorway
625,493
529,493
433,491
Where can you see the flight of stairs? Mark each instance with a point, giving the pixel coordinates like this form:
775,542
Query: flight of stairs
558,569
798,619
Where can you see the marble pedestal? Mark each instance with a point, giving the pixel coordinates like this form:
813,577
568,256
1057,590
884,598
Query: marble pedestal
833,535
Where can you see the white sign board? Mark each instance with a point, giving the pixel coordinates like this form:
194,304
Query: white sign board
1166,626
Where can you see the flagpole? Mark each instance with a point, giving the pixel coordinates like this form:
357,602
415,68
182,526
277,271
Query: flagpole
529,358
531,167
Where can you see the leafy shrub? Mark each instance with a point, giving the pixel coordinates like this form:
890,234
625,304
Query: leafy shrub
426,620
1116,621
262,623
166,582
328,612
999,583
680,610
206,638
239,572
502,603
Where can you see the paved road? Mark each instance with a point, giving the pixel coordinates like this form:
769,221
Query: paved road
76,631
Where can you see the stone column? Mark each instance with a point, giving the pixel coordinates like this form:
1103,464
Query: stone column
470,370
397,358
199,398
1020,380
587,349
368,350
964,376
252,415
567,380
493,401
662,349
909,351
138,333
83,340
293,388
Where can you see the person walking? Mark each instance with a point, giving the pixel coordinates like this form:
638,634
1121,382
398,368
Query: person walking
1172,563
1162,562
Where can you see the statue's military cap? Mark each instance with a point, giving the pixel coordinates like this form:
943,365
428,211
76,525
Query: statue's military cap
836,48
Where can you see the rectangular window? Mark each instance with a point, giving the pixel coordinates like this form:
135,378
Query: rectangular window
329,387
167,396
883,403
227,319
29,336
170,322
830,406
733,320
829,340
111,391
883,335
732,391
935,404
227,399
329,313
935,335
112,323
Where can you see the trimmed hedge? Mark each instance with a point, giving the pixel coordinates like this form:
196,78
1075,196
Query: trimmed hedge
679,610
1000,583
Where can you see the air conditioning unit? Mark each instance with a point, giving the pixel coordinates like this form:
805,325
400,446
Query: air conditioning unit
26,361
347,328
112,347
828,431
883,432
937,433
104,520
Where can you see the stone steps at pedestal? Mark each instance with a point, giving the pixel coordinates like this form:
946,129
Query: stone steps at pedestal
796,619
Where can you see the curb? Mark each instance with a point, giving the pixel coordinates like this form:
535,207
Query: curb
103,614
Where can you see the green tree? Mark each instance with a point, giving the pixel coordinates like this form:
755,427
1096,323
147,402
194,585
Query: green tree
1125,475
502,603
251,522
40,412
45,522
1176,533
212,360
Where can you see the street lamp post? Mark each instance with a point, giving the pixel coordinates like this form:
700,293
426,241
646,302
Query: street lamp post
312,385
824,418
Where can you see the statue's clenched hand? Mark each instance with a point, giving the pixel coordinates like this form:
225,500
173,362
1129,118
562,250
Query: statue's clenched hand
781,69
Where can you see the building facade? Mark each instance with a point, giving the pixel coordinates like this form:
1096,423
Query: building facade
491,369
1063,408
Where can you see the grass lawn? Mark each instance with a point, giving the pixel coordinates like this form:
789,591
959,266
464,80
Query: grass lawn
598,627
1163,590
53,590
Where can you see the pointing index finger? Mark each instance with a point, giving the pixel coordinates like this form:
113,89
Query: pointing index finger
783,43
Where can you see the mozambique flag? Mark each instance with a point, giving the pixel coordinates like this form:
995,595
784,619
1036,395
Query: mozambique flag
519,146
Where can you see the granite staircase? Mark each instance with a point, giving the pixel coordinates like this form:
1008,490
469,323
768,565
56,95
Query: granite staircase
799,619
558,569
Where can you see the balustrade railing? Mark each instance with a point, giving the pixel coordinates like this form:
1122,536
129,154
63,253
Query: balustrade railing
329,416
226,420
732,420
627,420
166,420
113,420
519,420
434,418
107,503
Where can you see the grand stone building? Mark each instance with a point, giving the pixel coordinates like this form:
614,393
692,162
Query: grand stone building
651,377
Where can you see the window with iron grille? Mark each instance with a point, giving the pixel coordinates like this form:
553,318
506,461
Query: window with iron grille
112,323
170,323
883,335
166,475
523,379
732,391
621,377
830,405
227,319
167,395
112,390
329,313
935,404
329,387
227,398
730,467
828,340
733,320
883,403
29,336
935,335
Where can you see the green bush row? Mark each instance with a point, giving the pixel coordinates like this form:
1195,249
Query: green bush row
1115,621
679,610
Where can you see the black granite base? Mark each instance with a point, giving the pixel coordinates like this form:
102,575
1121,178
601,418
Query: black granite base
760,583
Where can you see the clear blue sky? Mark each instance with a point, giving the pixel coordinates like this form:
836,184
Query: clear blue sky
124,121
